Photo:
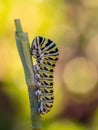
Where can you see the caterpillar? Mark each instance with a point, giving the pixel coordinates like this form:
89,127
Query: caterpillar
46,54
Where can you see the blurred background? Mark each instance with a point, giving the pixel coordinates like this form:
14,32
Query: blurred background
73,26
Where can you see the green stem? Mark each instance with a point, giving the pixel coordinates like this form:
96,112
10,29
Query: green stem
18,26
23,45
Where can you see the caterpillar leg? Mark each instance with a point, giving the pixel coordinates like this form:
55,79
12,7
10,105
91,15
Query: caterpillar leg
38,84
36,67
37,76
38,92
45,107
41,109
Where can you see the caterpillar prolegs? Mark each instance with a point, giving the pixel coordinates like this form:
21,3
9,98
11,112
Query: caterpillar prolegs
46,54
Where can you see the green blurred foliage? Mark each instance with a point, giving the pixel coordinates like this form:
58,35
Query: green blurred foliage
67,22
62,125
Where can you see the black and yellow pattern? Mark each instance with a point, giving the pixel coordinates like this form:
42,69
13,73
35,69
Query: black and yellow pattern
46,54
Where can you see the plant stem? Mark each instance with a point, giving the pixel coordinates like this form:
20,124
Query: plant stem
23,45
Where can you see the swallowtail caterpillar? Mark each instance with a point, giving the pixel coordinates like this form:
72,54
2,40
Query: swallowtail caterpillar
46,54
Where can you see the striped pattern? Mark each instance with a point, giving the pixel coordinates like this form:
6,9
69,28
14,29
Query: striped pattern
46,54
